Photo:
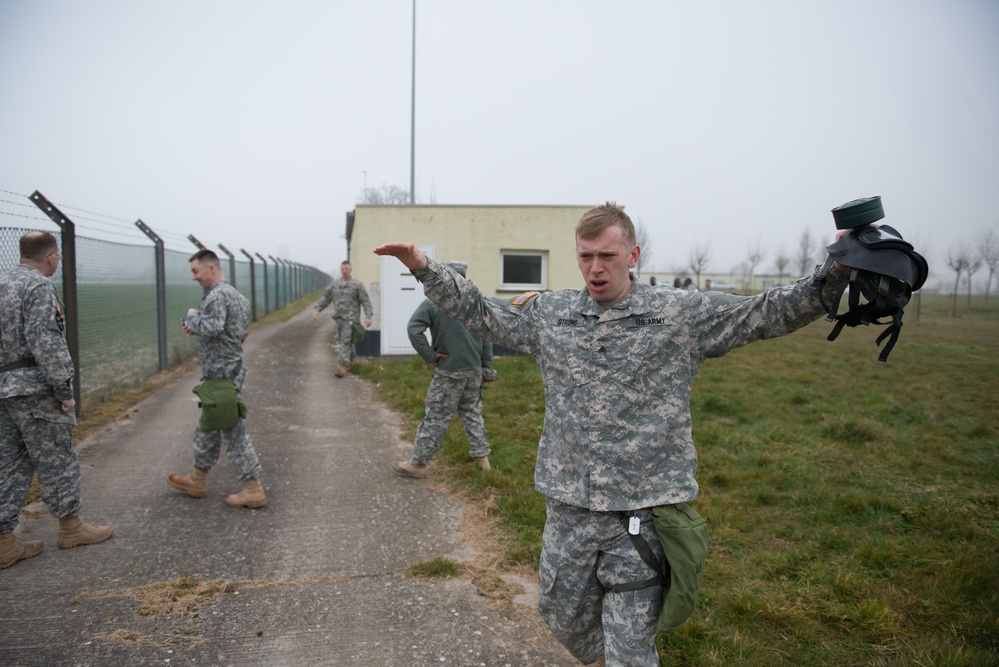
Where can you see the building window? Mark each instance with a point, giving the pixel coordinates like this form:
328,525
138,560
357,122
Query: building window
523,270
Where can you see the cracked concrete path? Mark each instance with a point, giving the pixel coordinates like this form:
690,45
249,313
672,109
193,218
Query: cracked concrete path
315,578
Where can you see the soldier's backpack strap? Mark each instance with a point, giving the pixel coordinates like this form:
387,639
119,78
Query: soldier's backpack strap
645,551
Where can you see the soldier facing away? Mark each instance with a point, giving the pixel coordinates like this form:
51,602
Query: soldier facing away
348,296
37,408
220,326
617,360
462,361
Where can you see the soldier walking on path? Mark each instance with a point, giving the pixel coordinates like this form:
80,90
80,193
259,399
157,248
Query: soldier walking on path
348,296
220,326
617,359
462,361
37,408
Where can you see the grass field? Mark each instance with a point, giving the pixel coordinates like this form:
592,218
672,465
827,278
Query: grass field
853,505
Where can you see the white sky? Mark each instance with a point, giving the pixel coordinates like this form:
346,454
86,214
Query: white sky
251,123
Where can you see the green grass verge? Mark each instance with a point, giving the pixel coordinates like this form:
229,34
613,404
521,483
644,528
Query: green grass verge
853,505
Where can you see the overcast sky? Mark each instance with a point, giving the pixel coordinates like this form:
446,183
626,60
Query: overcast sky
257,124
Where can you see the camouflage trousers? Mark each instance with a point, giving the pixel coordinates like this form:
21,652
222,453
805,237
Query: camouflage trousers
36,436
450,392
344,334
238,446
582,554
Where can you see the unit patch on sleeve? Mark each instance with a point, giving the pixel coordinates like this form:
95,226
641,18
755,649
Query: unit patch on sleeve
523,298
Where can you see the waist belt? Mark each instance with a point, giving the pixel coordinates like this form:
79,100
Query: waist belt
20,363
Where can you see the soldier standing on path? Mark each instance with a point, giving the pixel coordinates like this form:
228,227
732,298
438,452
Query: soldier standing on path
348,296
462,361
37,408
617,359
220,326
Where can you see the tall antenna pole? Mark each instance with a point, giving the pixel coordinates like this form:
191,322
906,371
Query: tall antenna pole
412,121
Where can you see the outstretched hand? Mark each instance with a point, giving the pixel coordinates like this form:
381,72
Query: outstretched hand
407,253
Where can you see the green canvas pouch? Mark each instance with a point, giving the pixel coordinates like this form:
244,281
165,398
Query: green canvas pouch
684,537
220,403
357,333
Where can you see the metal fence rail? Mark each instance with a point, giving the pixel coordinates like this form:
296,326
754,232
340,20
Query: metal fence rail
124,302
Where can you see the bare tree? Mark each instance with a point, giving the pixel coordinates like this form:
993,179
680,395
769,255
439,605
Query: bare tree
805,250
754,256
390,195
781,261
958,261
698,258
973,265
988,252
643,241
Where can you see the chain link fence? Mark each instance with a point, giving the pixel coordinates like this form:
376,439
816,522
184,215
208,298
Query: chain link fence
117,321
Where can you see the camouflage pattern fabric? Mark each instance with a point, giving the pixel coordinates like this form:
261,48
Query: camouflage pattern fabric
348,298
32,327
35,434
617,433
584,553
452,391
238,447
344,336
617,429
221,327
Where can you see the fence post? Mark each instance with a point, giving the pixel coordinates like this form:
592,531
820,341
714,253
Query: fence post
277,282
232,265
69,297
161,310
267,295
288,292
199,244
253,285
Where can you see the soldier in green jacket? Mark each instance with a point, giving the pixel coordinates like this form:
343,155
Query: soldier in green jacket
462,361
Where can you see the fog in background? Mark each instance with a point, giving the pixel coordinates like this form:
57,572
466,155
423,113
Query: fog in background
726,124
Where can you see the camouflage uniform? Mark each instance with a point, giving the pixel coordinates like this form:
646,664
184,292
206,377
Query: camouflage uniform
35,434
347,297
456,384
220,328
617,433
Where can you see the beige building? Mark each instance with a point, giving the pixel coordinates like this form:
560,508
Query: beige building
508,249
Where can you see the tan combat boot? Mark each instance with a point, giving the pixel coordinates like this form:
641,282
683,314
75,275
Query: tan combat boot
251,496
340,371
410,469
75,533
12,551
193,483
483,462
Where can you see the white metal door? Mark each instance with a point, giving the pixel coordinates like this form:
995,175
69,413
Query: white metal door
401,294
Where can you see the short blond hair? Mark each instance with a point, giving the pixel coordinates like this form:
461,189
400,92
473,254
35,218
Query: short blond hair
600,218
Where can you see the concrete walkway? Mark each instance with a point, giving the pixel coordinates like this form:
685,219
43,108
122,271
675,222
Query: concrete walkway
315,578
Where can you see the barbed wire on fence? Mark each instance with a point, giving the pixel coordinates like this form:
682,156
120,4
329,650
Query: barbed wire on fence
120,294
99,223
